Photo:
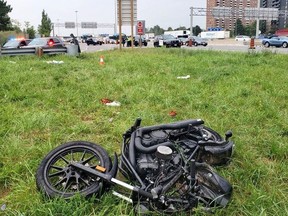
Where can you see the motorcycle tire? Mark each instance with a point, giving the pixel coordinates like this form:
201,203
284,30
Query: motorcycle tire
56,178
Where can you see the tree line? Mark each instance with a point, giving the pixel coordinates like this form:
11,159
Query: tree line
8,24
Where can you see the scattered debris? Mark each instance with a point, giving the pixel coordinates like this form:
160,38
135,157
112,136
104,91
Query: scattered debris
172,113
55,62
184,77
111,120
109,102
12,62
3,207
114,103
105,100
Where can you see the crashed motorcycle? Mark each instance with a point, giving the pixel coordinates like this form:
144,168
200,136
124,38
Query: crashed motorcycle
168,168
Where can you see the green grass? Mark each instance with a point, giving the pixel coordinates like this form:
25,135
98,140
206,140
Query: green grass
44,105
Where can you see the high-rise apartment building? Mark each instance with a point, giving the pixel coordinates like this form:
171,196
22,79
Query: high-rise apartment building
238,7
282,5
229,22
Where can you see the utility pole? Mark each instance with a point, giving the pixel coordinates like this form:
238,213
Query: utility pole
257,20
115,25
76,23
132,21
58,26
191,21
120,22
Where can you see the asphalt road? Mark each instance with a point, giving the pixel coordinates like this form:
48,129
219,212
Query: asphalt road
217,45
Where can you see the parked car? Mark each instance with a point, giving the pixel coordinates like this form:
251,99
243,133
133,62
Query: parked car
242,38
16,43
46,42
281,41
196,41
183,38
84,37
166,40
93,41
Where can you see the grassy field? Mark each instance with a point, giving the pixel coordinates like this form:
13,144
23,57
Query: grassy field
44,105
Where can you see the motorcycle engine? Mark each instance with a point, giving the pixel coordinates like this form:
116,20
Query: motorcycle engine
148,165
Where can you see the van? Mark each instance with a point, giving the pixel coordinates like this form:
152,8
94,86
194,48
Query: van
242,38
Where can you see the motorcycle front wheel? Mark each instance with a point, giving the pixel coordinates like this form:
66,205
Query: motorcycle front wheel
56,177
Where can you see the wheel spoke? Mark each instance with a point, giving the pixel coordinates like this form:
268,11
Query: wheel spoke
66,183
59,182
56,173
64,159
57,167
77,182
86,183
88,159
83,156
72,158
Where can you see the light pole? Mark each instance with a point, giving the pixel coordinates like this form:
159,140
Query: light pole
76,23
258,20
58,26
191,21
115,25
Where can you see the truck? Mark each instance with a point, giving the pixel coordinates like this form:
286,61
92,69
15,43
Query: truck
177,33
215,34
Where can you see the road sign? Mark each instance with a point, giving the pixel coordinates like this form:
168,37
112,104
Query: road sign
126,11
69,24
140,28
88,25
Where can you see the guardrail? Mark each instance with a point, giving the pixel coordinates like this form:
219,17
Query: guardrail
70,50
14,52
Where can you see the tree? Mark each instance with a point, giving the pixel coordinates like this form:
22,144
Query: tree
181,28
263,26
157,30
250,29
16,26
239,28
5,22
170,29
46,25
197,30
29,30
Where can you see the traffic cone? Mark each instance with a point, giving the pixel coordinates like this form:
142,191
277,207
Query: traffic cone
101,60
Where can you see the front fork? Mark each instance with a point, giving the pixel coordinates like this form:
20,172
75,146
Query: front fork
109,177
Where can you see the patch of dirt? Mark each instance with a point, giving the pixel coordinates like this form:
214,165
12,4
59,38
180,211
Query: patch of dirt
4,192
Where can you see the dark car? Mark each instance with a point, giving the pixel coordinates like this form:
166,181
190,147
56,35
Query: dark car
280,41
93,41
16,43
166,40
183,38
137,41
46,42
196,41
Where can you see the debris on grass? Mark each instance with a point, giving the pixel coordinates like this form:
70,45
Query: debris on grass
55,62
109,102
3,207
184,77
114,103
172,113
12,62
105,100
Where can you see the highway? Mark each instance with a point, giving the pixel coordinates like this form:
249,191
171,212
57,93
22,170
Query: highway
217,45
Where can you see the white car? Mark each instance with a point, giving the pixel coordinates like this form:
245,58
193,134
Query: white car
242,38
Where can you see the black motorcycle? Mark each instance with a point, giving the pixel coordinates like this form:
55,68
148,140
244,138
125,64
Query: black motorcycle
168,167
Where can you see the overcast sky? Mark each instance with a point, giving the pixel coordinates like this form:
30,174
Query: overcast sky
165,13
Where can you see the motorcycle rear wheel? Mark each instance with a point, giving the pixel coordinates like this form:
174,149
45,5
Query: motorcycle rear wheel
56,177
